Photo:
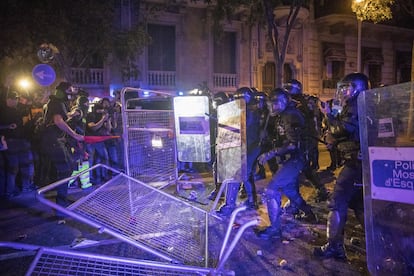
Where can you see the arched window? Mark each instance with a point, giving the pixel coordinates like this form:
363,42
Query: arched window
268,76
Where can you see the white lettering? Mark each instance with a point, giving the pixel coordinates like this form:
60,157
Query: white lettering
404,165
402,174
403,184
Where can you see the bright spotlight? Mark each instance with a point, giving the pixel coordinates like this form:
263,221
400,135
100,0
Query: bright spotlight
24,84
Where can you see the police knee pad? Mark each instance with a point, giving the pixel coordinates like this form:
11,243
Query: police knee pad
270,194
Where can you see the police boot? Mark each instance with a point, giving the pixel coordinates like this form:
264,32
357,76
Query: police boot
290,208
321,194
335,233
250,188
273,210
231,199
308,215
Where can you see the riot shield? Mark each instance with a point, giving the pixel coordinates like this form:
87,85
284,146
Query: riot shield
231,142
192,128
387,145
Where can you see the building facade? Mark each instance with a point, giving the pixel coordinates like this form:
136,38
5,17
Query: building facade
185,54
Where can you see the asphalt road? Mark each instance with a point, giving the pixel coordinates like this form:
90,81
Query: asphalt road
25,220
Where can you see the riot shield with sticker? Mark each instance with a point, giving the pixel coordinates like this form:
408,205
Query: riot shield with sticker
192,128
231,156
387,144
231,141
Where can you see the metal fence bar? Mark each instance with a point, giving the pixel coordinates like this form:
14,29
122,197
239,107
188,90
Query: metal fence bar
50,261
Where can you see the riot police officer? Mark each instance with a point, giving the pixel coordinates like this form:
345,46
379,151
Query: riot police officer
290,126
311,136
345,128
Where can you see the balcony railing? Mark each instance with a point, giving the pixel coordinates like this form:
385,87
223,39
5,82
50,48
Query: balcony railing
88,76
225,80
161,79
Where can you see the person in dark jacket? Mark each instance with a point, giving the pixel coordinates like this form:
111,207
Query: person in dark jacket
98,123
345,129
18,157
310,138
53,140
290,126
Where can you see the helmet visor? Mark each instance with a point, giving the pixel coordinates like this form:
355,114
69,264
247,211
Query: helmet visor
345,91
277,105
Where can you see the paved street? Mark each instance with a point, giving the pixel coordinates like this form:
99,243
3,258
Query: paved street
25,220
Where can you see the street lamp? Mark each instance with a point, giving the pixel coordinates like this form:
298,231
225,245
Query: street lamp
359,20
359,46
372,10
24,84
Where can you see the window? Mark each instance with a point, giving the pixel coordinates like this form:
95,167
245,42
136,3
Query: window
338,70
372,59
334,57
374,72
403,66
287,72
161,52
268,77
225,53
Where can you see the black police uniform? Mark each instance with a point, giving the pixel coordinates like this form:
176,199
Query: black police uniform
290,126
344,128
310,145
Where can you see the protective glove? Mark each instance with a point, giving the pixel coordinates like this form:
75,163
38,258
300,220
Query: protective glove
264,157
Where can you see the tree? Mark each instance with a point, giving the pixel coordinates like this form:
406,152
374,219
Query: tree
261,12
82,31
372,10
407,6
279,46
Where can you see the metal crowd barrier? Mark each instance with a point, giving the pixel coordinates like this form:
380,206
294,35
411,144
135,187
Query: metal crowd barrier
50,261
153,220
148,136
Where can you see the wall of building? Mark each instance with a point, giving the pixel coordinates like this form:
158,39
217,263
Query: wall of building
194,50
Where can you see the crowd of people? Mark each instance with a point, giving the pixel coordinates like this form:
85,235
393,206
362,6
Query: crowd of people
44,140
284,133
284,126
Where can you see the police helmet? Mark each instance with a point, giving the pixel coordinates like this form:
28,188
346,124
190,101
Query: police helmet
278,101
293,86
351,85
245,93
260,96
220,98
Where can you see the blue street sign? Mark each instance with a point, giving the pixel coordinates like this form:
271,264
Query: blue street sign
44,74
392,174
